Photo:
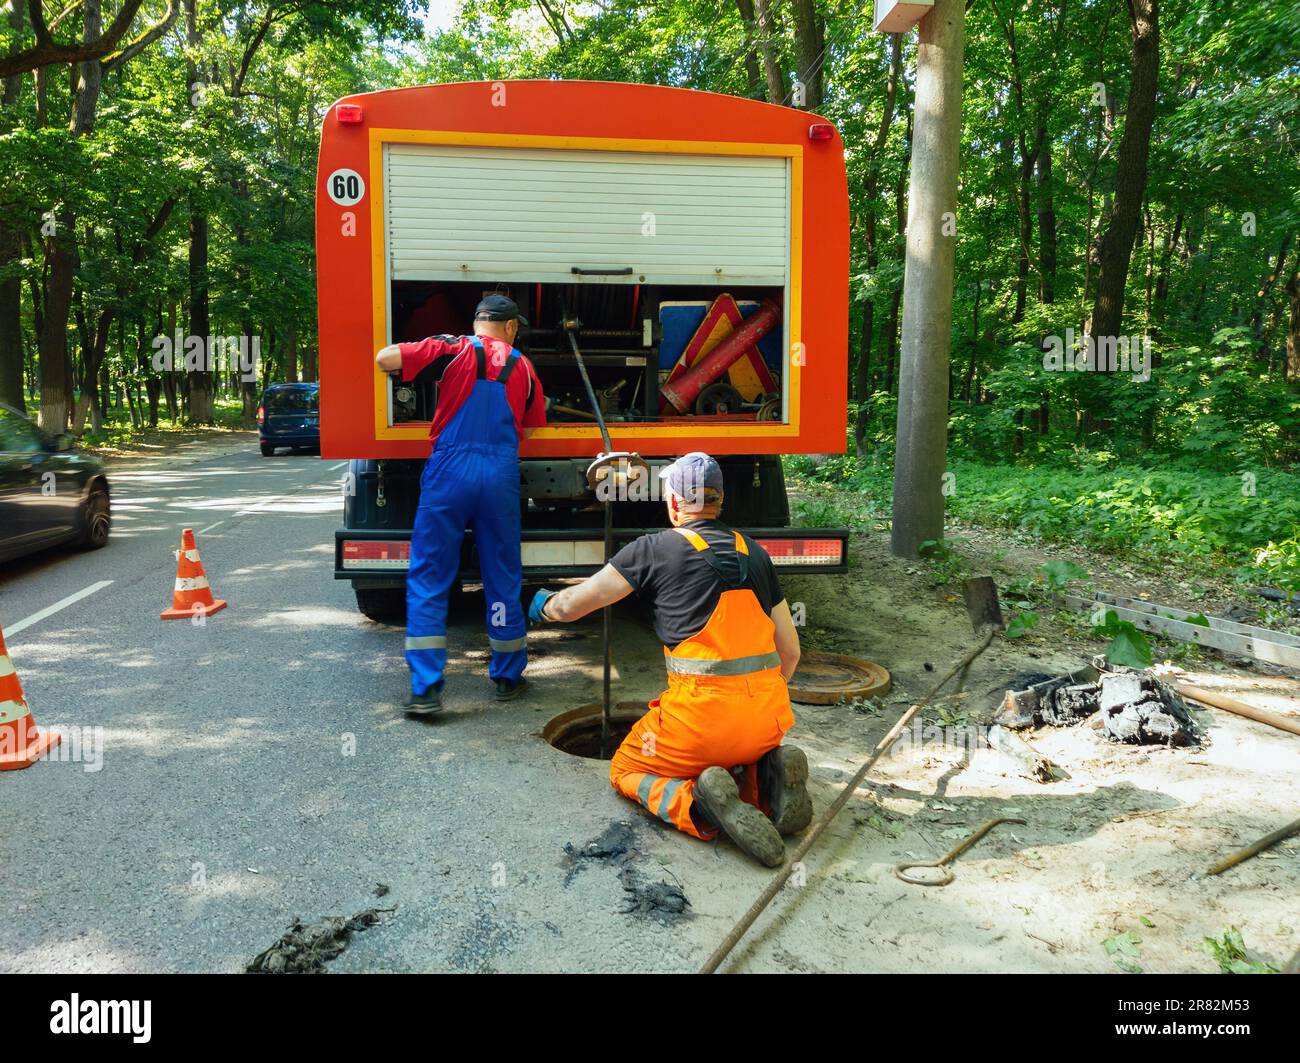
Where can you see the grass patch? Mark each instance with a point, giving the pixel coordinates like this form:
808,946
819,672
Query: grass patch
118,435
1157,515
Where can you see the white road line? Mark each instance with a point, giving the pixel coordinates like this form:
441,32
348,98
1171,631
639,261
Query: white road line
50,610
340,465
211,526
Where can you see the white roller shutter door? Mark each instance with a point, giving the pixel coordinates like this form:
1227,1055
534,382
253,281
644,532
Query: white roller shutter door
486,214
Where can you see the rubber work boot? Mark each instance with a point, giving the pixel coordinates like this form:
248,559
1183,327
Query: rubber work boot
421,705
783,780
719,798
509,688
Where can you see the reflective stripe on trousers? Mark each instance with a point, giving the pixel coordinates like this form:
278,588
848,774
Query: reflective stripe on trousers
728,666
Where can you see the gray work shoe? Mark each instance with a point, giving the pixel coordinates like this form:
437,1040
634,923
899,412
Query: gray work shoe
718,798
510,688
420,705
783,780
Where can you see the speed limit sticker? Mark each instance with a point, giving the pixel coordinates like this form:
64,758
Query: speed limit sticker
346,187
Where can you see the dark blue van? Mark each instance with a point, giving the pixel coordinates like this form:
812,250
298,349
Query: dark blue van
289,416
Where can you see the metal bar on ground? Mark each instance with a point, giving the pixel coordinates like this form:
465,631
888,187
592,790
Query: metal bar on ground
1217,623
1261,644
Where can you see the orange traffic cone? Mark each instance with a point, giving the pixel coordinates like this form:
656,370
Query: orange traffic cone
21,744
193,596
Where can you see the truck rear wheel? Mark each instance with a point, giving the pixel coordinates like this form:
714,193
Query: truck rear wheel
383,605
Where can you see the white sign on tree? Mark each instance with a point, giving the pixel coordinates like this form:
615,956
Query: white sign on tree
893,16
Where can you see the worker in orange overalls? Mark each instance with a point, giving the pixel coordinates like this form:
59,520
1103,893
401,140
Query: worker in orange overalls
708,755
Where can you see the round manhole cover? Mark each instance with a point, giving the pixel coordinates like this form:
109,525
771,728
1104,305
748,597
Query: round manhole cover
577,731
825,678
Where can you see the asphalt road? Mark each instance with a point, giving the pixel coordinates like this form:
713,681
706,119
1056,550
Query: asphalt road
255,768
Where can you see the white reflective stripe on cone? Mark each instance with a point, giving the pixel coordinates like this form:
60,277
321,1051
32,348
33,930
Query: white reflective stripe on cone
192,555
6,668
13,710
191,583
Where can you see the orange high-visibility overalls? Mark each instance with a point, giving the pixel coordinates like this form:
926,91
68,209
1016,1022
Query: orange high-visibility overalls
726,704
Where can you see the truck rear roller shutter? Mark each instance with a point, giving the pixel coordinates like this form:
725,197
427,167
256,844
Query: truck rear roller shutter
487,214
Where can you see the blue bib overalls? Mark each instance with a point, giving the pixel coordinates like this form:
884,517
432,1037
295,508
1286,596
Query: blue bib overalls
470,480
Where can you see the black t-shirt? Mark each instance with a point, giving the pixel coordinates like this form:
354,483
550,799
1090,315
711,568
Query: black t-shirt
665,569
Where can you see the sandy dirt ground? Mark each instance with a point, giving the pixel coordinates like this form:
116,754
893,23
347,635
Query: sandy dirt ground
1117,847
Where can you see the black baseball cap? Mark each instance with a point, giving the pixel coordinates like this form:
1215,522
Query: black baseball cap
496,307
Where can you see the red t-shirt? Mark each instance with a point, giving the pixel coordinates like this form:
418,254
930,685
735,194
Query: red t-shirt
456,368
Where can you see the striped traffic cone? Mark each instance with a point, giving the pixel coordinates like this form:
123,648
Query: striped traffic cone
192,596
21,744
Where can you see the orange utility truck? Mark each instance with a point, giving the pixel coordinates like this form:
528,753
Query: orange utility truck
695,245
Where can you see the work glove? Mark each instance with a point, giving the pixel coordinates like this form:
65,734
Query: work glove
535,607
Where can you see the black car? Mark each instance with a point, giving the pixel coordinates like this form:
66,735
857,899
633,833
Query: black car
289,416
50,492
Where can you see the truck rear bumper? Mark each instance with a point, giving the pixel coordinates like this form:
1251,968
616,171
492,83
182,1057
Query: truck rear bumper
381,558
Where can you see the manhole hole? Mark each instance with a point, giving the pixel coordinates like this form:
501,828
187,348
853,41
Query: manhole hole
577,731
825,678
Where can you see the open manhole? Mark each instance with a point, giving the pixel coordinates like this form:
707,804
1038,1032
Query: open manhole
825,678
577,731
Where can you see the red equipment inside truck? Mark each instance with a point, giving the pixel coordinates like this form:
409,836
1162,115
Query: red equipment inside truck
700,240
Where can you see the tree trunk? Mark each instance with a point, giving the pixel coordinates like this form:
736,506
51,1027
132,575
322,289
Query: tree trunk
11,288
767,34
1265,291
200,380
248,388
1293,331
61,251
61,268
810,44
11,321
291,353
1162,282
309,367
921,440
13,85
1046,221
753,75
863,388
1131,171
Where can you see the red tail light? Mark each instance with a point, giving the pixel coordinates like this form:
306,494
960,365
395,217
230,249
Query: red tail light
376,553
261,415
349,113
821,131
794,552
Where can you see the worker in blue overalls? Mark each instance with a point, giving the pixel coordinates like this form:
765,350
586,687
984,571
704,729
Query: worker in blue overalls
488,394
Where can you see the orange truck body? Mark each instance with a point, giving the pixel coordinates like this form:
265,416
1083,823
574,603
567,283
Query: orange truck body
541,189
353,286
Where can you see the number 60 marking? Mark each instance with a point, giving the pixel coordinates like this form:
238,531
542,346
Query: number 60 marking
346,187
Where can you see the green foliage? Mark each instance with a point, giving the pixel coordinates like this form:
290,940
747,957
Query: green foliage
946,562
1128,646
1125,949
1058,574
1229,952
1280,565
1022,624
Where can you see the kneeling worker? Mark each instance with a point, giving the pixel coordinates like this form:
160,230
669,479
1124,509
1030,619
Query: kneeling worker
708,754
